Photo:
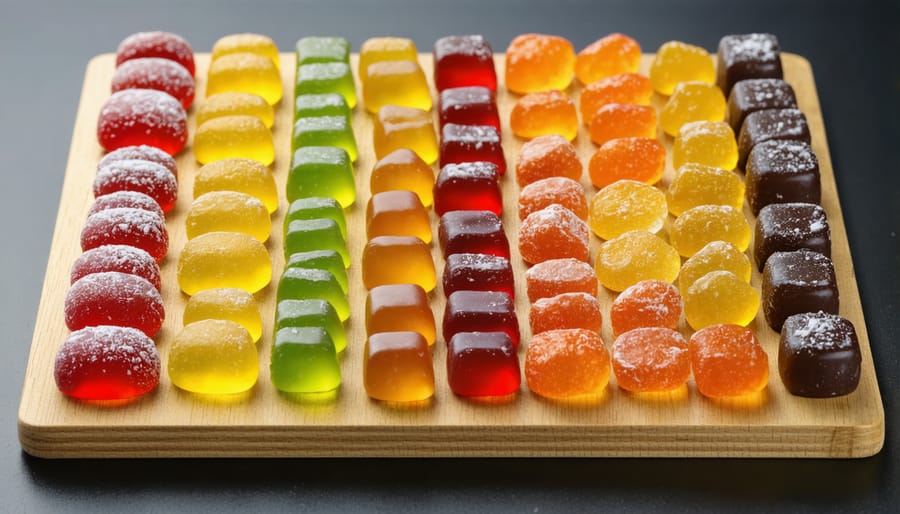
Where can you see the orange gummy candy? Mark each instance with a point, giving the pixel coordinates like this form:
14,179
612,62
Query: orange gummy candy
567,310
649,303
651,359
559,276
553,232
728,360
610,55
632,158
535,62
568,362
613,121
626,88
544,112
545,192
547,156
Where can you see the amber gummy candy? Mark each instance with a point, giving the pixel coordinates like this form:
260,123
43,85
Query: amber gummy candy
609,55
633,158
553,233
615,120
558,276
547,156
627,88
542,113
651,359
566,363
553,190
567,310
649,303
403,169
536,62
727,360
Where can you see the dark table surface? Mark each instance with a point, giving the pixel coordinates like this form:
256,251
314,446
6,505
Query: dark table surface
854,49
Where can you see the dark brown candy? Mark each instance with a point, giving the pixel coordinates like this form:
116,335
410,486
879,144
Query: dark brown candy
768,125
819,355
782,172
751,95
785,227
795,282
747,56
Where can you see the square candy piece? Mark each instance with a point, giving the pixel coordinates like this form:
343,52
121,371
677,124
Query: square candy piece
468,186
795,282
819,355
315,208
770,124
397,213
785,227
322,49
782,172
472,232
468,143
325,131
464,61
478,272
325,104
313,284
328,260
378,49
317,234
304,361
327,77
747,56
400,308
403,169
381,258
468,106
482,364
396,83
480,311
321,171
311,313
399,127
753,95
398,367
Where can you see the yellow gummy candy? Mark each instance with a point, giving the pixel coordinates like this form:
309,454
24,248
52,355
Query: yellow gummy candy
247,73
715,256
378,49
235,104
677,62
396,83
246,43
706,142
213,357
635,256
705,223
223,259
692,101
231,137
698,184
241,175
627,205
228,304
719,297
228,211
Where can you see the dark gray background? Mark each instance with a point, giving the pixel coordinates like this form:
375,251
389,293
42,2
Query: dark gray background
854,49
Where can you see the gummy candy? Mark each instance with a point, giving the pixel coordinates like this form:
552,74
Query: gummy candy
121,258
131,199
537,62
304,360
559,276
313,49
785,227
315,234
324,104
782,172
468,186
691,101
381,255
156,44
233,137
797,282
568,362
626,88
542,113
677,62
633,158
399,127
325,131
649,303
559,190
312,313
480,311
245,72
720,297
472,232
727,360
403,169
461,61
223,259
468,106
819,355
697,226
395,83
313,284
547,156
715,256
314,208
553,233
747,56
147,177
566,310
614,120
213,357
705,142
398,308
609,55
328,260
114,298
482,364
321,171
634,256
378,49
236,104
126,226
241,175
397,213
397,367
142,117
229,304
156,73
651,360
228,211
627,205
468,143
477,272
246,43
324,78
699,184
140,153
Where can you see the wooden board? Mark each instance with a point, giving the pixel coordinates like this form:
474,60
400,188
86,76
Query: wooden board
264,423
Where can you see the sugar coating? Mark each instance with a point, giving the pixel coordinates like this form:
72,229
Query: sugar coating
156,73
228,211
692,101
727,360
140,153
241,175
381,255
121,258
553,190
234,137
466,143
473,105
114,298
236,104
753,95
819,355
615,120
317,49
324,78
558,276
700,225
464,61
312,313
321,171
719,297
403,169
304,360
627,205
677,62
398,367
397,213
747,56
325,131
782,172
634,256
395,83
156,44
314,208
147,177
142,117
328,260
566,310
477,272
610,55
547,156
625,88
228,304
710,143
628,158
649,303
544,112
699,184
782,227
565,363
246,43
315,234
768,125
651,359
400,307
213,357
378,49
245,72
131,199
309,284
223,259
472,232
537,62
468,186
399,127
127,226
553,232
715,256
480,311
797,282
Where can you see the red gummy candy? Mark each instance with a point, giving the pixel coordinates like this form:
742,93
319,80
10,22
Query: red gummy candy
478,272
155,73
142,117
132,199
468,186
480,311
156,44
114,298
464,61
468,143
147,177
468,106
482,364
141,153
126,226
121,258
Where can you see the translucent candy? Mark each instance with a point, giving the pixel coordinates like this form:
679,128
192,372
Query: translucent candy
542,113
156,73
482,364
312,313
559,276
241,175
113,298
649,303
468,186
234,137
147,177
126,226
635,256
236,104
720,297
609,55
228,211
397,367
553,233
328,260
397,213
213,357
316,49
304,360
477,272
468,106
324,104
699,184
537,62
629,158
324,78
547,156
703,224
313,284
142,117
321,171
121,258
156,44
461,61
246,43
651,360
692,101
381,255
480,311
223,259
710,143
614,120
468,143
245,72
399,308
565,363
140,153
545,192
315,208
715,256
627,205
398,127
315,234
677,62
228,304
403,169
566,310
727,360
472,232
378,49
325,131
131,199
627,88
396,83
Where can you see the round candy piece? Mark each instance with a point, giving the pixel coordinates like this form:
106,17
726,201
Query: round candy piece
627,205
247,42
131,199
141,153
678,62
537,62
224,259
613,121
728,360
156,73
147,177
233,137
553,190
557,276
553,233
235,103
609,55
547,156
698,184
225,303
703,224
692,101
626,88
567,310
156,44
121,258
628,158
635,256
649,303
228,211
142,117
106,363
247,73
705,142
565,363
720,297
126,226
544,112
651,360
241,175
114,298
715,256
213,357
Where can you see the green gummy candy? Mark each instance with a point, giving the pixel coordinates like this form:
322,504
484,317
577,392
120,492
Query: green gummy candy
311,313
327,104
319,234
328,260
304,360
314,49
321,171
327,77
315,208
325,131
307,284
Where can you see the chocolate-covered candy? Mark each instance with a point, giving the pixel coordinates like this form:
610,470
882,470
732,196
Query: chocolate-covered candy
751,95
819,355
782,172
785,227
795,282
768,125
747,56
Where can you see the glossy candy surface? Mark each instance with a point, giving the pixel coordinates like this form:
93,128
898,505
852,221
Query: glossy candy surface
398,308
635,256
547,156
316,49
468,143
316,207
609,55
797,282
472,232
228,304
328,260
720,297
698,226
468,186
378,49
785,227
312,313
245,72
628,158
565,363
313,284
649,303
692,101
558,276
461,61
651,360
747,56
480,311
537,62
304,360
241,175
228,211
710,143
236,104
397,213
381,255
677,62
477,272
325,131
321,171
324,78
553,233
234,137
715,256
213,357
474,105
322,104
246,43
727,360
699,184
403,169
395,83
627,205
398,368
819,355
542,113
399,127
482,364
223,259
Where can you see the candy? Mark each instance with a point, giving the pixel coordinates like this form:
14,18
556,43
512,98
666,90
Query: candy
700,225
649,303
566,310
399,127
126,226
246,43
635,256
715,256
537,62
114,298
819,355
559,276
699,184
627,88
398,308
542,113
553,233
468,186
472,232
468,143
397,213
477,272
727,360
156,73
312,313
236,104
324,104
378,49
463,61
223,259
651,360
751,95
323,78
321,171
545,192
313,284
315,234
785,227
403,169
397,367
627,205
304,360
240,175
631,158
547,156
121,258
691,101
245,72
747,56
228,304
228,211
705,142
797,282
312,49
395,83
142,117
782,172
482,364
720,297
480,311
468,106
609,55
147,177
315,208
768,125
140,153
106,363
328,260
325,131
677,62
234,137
156,44
381,255
614,120
213,357
131,199
564,363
